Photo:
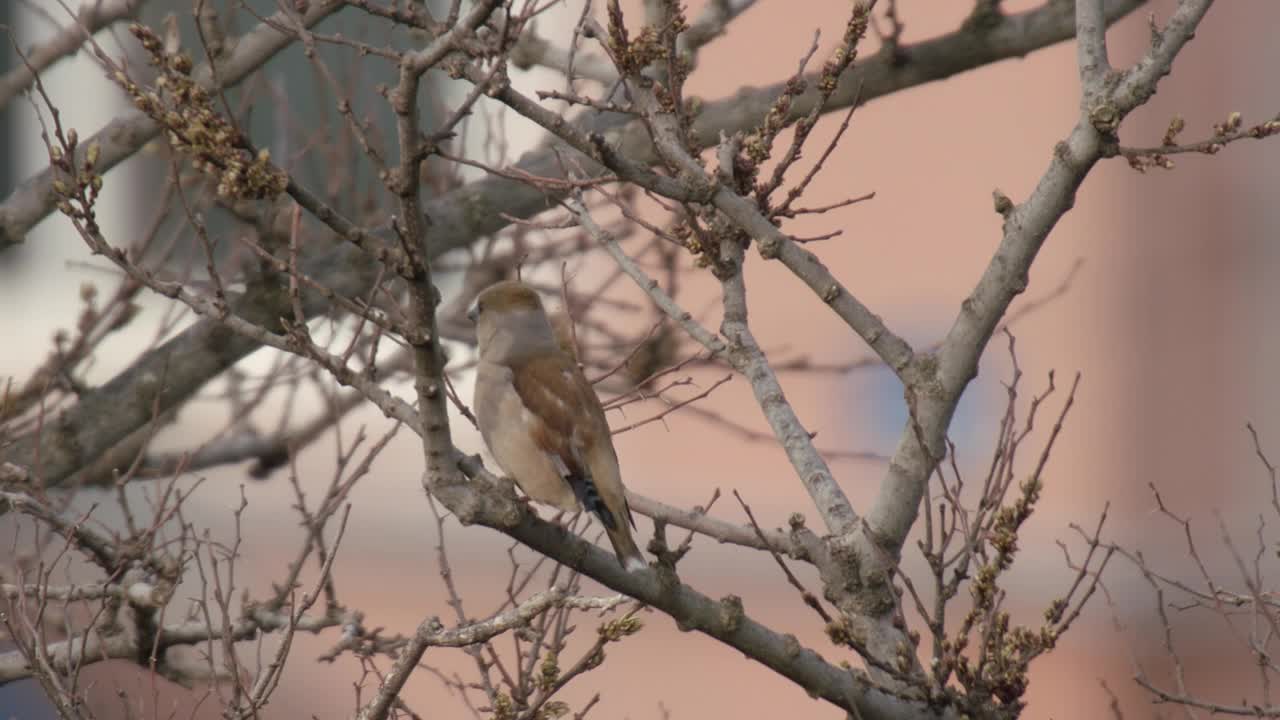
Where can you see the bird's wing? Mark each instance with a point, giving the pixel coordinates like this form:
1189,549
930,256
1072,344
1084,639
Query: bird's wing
560,406
568,422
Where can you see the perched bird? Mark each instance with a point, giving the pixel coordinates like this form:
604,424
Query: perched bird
541,419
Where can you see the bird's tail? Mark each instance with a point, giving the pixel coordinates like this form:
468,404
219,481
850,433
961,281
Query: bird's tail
625,547
618,528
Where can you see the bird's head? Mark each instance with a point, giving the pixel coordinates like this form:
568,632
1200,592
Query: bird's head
510,321
505,297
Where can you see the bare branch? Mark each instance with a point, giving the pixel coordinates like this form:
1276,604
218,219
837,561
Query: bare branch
93,16
127,134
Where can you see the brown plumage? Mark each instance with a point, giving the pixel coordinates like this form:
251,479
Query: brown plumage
540,417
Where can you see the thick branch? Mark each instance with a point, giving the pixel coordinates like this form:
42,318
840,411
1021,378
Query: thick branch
1026,228
1091,43
429,360
723,620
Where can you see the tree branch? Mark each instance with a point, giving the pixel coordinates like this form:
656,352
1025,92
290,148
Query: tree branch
206,349
723,620
1026,227
93,16
35,198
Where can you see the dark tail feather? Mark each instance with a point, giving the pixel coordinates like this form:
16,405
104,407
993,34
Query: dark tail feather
589,497
616,528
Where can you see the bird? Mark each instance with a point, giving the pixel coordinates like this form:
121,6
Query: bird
540,418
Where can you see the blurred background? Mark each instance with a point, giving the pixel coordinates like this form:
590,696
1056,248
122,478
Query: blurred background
1167,316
